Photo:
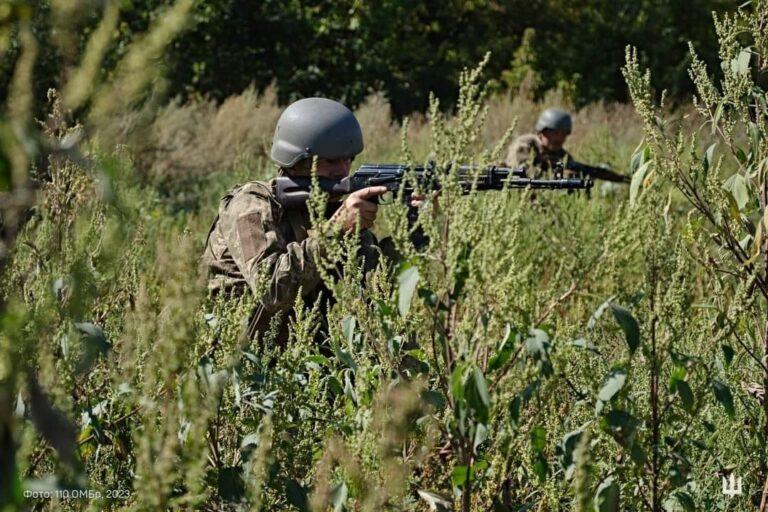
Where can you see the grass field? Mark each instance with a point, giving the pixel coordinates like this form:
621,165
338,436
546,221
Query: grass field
556,352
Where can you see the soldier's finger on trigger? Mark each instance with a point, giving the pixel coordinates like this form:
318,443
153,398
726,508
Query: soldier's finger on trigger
369,192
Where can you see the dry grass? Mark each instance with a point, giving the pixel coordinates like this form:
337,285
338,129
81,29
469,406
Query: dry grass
189,141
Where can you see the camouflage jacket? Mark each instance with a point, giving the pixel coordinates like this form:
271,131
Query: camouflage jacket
254,238
526,151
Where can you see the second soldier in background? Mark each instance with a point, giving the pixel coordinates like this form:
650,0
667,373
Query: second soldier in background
539,152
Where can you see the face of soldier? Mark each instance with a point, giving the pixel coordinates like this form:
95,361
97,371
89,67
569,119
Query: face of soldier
335,168
552,140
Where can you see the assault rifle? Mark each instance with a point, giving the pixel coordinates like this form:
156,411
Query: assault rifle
594,172
292,192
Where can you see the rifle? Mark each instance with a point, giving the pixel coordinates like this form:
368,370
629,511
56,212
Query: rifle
292,192
598,173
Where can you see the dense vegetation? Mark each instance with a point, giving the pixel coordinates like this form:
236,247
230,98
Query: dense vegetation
403,48
547,352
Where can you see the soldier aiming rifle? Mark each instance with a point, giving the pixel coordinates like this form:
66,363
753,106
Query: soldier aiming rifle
263,228
539,152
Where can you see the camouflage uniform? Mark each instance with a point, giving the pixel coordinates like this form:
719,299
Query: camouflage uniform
254,236
526,151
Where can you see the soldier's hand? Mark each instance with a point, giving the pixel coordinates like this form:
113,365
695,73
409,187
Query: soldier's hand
356,205
418,200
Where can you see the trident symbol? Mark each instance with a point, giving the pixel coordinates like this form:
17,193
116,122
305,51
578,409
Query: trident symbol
733,487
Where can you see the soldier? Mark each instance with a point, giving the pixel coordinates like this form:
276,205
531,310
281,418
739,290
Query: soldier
540,151
254,234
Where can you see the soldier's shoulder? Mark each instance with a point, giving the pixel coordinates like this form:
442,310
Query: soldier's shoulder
252,194
527,139
254,188
523,149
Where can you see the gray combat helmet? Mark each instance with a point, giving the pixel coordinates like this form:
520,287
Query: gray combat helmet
554,119
315,127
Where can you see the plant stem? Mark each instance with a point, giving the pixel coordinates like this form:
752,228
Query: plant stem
654,399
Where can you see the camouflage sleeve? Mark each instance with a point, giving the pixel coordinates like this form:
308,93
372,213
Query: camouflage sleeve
523,150
608,175
600,173
262,254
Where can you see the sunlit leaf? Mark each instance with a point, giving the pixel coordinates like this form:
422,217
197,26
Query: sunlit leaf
436,502
607,496
565,449
637,181
407,280
339,496
614,381
738,188
742,62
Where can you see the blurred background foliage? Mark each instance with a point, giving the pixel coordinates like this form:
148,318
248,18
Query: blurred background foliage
347,49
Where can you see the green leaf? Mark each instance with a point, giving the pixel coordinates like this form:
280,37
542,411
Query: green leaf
709,156
679,501
565,449
231,486
459,476
344,356
95,345
514,410
614,381
723,395
622,426
728,353
537,344
628,324
482,387
407,280
461,272
586,345
339,496
540,468
637,181
436,501
716,117
637,454
476,394
685,394
250,441
503,353
457,382
481,434
742,62
318,360
296,494
597,314
754,137
738,187
348,328
538,439
335,386
434,398
429,296
607,496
